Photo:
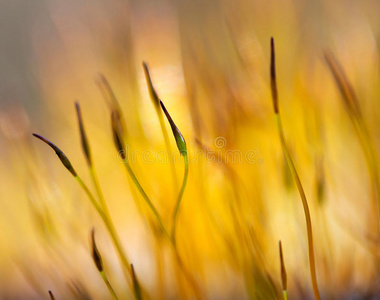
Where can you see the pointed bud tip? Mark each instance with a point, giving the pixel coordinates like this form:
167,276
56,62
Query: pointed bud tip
181,143
83,137
273,76
117,135
95,252
283,270
51,295
65,161
152,91
136,284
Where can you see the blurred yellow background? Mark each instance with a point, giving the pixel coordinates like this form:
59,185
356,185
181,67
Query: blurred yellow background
209,62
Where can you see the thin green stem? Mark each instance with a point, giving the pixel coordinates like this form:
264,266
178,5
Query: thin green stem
146,198
171,238
90,196
167,144
180,196
95,180
285,294
292,167
111,229
105,279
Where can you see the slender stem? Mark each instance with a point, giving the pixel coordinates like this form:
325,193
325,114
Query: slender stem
180,195
285,294
98,189
188,275
105,279
146,198
107,218
111,229
90,196
167,144
160,269
289,160
171,238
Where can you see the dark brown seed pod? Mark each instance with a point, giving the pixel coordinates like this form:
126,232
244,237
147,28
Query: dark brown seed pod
84,141
273,81
283,270
117,135
65,161
51,295
95,252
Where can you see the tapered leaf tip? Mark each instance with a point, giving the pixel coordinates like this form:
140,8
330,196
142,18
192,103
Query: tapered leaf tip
181,143
152,91
83,137
273,76
65,161
95,252
136,284
283,270
117,134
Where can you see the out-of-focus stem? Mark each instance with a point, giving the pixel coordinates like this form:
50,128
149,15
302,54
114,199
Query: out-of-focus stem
180,196
293,170
285,294
111,230
146,198
105,279
305,205
167,145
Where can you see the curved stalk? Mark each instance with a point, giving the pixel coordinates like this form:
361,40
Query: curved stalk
305,205
313,273
146,198
180,196
110,227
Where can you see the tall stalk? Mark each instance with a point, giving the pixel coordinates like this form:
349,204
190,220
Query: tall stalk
181,145
296,178
118,140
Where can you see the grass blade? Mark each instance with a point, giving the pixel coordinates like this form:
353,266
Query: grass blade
292,167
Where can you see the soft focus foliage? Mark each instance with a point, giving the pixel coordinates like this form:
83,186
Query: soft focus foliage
209,63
